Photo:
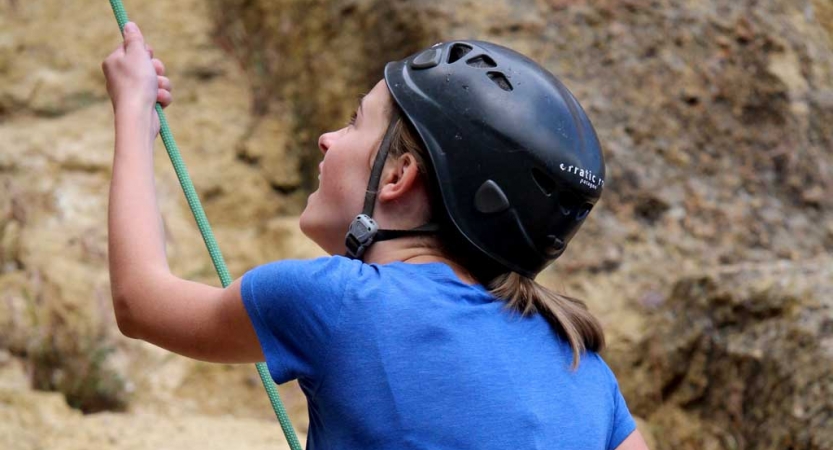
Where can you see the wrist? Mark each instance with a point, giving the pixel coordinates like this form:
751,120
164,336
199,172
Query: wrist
132,109
135,118
134,125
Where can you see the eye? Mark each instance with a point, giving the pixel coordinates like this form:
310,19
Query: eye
352,121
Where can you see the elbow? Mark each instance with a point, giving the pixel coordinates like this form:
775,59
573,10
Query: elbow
125,317
128,329
131,302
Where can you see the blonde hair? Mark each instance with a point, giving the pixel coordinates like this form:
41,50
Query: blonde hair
568,316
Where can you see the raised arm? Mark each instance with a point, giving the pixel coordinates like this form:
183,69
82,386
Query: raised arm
150,303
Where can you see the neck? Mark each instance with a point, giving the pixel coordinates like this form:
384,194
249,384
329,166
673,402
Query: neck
414,250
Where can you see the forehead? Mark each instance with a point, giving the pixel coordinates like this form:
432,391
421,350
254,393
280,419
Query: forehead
377,100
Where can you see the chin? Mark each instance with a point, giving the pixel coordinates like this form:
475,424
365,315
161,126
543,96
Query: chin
307,226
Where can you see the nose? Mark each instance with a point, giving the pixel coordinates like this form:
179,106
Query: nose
325,140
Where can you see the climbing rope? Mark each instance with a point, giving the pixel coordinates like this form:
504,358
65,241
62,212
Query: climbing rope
210,242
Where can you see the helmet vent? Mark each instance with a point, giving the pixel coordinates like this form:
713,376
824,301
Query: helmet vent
500,80
585,210
458,51
490,198
482,61
569,203
544,182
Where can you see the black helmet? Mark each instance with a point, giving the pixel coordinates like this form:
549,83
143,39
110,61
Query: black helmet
517,162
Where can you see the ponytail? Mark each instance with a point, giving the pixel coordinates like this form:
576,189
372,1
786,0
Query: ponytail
567,315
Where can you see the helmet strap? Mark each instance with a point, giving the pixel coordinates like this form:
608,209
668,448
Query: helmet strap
364,231
378,165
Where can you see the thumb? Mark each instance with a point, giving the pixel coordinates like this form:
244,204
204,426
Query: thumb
133,37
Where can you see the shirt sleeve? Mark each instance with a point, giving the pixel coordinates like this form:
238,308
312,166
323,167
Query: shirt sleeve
623,422
294,307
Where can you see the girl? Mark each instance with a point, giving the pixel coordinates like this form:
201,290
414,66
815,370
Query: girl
462,174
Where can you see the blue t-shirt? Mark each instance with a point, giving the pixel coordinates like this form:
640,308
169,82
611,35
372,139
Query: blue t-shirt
406,356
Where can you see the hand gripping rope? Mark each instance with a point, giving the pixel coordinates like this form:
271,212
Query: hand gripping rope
210,242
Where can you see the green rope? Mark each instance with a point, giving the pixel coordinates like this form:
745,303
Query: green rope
210,242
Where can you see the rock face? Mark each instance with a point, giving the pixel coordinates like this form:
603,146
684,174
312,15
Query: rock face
714,116
707,259
58,331
35,420
745,353
711,112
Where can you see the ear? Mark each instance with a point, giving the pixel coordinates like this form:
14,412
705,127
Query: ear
399,178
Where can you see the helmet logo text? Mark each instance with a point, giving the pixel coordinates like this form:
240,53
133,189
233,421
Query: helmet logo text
588,178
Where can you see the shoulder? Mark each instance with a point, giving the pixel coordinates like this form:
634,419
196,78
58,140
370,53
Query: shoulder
293,274
429,285
298,287
328,277
305,268
593,363
622,422
592,373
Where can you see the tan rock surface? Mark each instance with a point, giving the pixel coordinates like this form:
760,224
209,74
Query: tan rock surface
37,420
745,352
57,321
714,118
714,115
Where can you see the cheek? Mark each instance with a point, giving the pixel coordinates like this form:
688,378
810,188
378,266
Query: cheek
333,191
337,200
343,183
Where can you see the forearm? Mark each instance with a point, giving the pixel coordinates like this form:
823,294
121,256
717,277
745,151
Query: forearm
136,237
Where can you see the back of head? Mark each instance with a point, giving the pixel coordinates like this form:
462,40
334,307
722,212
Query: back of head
516,166
516,159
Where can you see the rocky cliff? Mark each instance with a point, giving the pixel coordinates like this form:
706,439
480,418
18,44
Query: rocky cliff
707,260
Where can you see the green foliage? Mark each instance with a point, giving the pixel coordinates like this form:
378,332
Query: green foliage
64,359
78,368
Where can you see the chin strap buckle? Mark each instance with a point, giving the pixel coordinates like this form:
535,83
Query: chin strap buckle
360,236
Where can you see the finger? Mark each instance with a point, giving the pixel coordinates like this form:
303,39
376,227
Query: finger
164,83
164,98
157,64
149,49
133,39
